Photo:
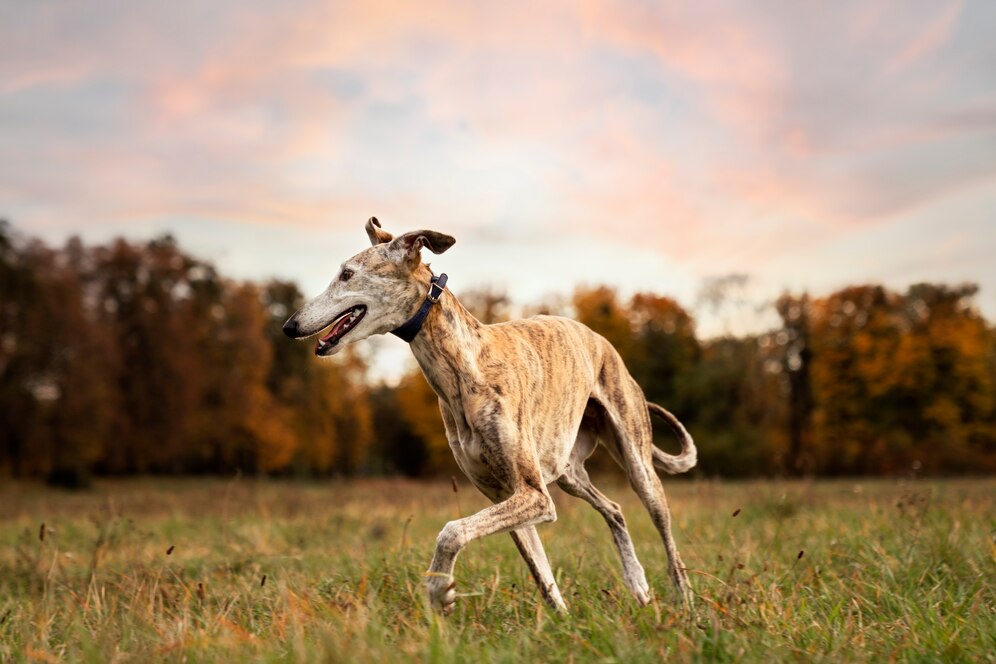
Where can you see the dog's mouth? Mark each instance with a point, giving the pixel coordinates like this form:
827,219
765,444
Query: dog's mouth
339,328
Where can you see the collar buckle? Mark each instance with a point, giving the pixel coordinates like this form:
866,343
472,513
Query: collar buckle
435,291
413,325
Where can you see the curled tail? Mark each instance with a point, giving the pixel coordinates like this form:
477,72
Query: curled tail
674,463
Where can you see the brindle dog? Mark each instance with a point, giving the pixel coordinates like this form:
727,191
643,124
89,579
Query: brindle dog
524,404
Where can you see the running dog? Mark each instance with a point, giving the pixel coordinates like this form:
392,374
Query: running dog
524,404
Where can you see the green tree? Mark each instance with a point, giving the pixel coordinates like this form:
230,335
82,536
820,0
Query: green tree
735,407
796,365
664,348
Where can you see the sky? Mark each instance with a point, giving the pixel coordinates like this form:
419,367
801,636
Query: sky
645,145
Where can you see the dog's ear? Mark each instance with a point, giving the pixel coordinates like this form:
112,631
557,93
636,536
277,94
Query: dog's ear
376,234
410,244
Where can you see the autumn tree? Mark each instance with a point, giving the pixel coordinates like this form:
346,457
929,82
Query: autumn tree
397,448
136,357
56,389
326,400
419,406
901,379
599,308
945,355
19,361
133,300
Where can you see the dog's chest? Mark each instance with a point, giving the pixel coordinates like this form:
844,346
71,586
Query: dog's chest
473,464
469,451
477,450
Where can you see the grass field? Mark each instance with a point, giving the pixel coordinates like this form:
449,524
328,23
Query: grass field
200,570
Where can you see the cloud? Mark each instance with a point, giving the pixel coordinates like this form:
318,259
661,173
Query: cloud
720,137
933,35
723,56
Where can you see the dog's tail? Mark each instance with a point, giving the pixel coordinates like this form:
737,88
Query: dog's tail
674,463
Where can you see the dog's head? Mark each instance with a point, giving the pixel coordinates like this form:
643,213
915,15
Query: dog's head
375,291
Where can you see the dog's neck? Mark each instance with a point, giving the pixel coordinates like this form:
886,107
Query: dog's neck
447,346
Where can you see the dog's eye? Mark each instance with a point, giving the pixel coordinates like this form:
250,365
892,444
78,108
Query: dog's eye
346,274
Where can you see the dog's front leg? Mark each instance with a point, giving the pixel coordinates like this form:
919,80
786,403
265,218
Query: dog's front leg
528,542
526,507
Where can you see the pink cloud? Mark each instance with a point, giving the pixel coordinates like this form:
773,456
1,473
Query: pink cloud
936,32
760,119
726,55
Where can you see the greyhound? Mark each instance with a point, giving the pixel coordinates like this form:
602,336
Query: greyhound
524,404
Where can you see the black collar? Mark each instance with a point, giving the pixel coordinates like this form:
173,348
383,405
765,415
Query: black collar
413,325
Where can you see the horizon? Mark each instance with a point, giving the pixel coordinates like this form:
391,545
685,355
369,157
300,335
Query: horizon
736,313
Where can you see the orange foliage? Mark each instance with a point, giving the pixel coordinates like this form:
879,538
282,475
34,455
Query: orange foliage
419,406
137,358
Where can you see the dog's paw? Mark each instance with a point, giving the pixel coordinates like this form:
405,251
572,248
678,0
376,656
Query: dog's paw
643,594
636,581
442,593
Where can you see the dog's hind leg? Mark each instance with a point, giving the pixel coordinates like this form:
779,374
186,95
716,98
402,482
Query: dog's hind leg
648,486
644,480
625,431
528,542
577,483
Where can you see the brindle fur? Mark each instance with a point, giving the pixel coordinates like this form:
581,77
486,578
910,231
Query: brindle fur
524,404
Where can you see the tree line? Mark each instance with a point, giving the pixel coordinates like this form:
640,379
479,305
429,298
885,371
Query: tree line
136,357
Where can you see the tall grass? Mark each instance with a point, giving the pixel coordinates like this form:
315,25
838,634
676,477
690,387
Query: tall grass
243,569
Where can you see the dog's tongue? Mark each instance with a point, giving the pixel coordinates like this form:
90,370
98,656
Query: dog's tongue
337,327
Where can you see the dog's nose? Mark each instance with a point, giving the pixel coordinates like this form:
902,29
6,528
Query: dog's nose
290,328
